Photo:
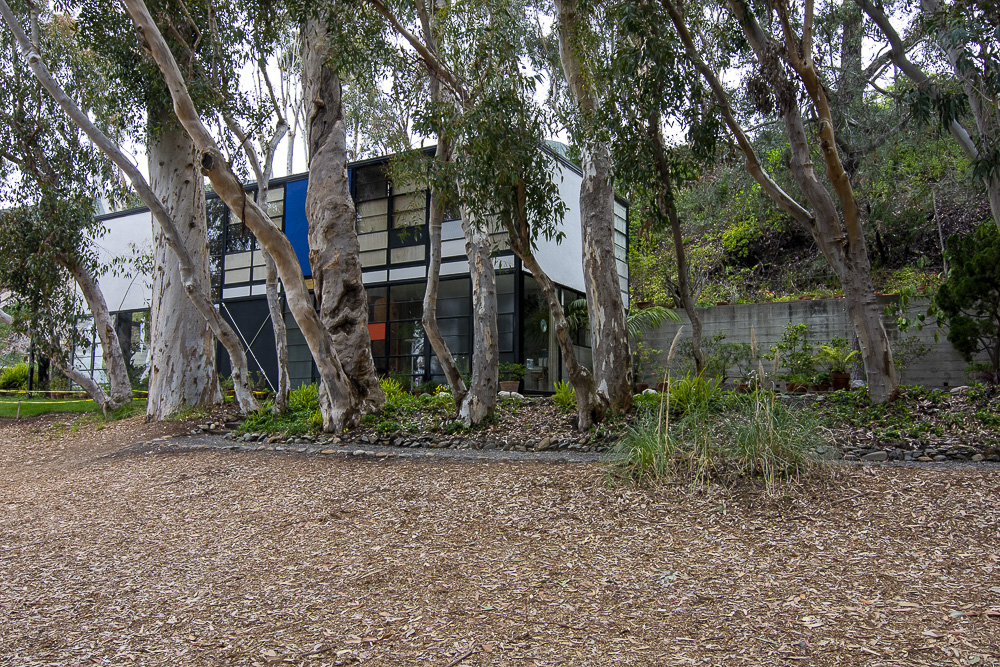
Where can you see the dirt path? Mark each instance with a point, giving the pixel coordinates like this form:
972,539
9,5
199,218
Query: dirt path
240,558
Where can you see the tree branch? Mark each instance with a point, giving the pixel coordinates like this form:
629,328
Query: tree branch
752,165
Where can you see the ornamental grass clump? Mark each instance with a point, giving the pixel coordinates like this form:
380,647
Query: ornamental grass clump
721,438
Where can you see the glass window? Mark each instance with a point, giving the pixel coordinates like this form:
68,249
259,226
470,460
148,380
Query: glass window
409,210
370,183
372,216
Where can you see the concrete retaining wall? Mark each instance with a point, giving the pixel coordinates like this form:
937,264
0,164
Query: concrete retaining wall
942,367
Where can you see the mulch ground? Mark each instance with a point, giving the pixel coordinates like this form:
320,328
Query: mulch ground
209,558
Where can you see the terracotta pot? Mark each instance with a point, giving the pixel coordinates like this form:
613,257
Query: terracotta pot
641,387
796,387
840,380
662,386
510,385
643,304
742,387
822,387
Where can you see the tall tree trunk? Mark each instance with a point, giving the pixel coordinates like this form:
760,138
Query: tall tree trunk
334,251
182,349
611,352
341,411
443,157
429,318
114,360
837,234
481,397
668,209
186,265
274,309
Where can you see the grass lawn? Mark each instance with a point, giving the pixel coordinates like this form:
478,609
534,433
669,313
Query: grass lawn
31,407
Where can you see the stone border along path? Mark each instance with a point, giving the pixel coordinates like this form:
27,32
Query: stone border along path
185,442
309,446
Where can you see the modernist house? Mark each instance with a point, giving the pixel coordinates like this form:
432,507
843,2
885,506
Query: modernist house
392,230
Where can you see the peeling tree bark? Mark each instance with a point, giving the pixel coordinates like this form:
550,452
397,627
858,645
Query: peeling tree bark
172,235
612,355
182,350
334,251
341,411
481,398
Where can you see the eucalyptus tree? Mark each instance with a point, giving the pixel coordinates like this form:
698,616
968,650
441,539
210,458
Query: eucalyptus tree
182,349
334,249
655,85
963,35
191,282
505,170
453,43
343,402
47,237
782,76
578,53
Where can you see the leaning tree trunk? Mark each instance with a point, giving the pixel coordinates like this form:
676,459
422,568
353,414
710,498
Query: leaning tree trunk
114,360
589,406
837,233
182,349
334,251
609,332
429,318
187,267
917,75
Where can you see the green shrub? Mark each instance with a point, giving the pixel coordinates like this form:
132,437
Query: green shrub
565,396
692,393
303,415
392,388
14,377
388,426
768,440
304,399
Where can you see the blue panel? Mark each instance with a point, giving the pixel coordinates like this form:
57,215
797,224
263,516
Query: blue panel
296,226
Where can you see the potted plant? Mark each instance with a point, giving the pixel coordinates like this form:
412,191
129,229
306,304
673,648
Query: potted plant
821,382
795,353
510,376
837,357
796,383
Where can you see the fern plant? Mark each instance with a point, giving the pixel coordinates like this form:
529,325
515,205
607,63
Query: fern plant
565,396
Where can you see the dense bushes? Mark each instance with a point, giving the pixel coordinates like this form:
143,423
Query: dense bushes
14,377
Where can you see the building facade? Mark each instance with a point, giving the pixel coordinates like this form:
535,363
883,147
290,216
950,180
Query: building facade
392,232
